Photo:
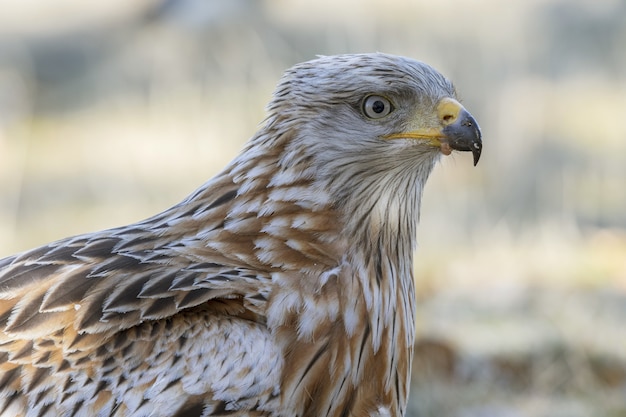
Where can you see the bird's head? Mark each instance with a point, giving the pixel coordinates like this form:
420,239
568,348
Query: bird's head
353,101
367,128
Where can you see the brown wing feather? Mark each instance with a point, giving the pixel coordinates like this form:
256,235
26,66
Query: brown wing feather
56,292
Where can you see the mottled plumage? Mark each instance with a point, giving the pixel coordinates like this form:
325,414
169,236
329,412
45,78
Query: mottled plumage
281,287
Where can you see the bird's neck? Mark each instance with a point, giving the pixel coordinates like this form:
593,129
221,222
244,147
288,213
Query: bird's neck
363,215
379,215
384,261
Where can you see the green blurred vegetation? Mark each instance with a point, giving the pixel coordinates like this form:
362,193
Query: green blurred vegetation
112,111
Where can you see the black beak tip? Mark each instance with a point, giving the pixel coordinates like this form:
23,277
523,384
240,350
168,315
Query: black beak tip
477,148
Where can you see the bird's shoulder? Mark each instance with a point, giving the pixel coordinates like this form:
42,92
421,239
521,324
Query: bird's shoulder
100,282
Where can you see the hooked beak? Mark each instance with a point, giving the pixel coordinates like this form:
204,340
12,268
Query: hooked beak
458,130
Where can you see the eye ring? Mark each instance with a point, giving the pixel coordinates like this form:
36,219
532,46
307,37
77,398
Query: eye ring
376,107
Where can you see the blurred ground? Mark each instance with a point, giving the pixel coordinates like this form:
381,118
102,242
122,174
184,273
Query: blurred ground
112,111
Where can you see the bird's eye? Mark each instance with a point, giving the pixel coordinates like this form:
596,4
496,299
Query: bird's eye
376,107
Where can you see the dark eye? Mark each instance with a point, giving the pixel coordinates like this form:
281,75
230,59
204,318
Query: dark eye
376,107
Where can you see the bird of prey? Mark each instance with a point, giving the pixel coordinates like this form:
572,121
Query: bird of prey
281,287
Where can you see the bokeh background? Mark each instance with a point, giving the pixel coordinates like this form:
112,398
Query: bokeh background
113,111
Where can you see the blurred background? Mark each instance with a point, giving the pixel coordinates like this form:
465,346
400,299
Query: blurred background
113,111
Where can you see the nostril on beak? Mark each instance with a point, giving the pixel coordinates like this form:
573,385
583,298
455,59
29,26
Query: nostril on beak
448,110
448,118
